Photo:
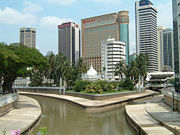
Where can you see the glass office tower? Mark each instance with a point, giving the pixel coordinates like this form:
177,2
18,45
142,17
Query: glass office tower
176,20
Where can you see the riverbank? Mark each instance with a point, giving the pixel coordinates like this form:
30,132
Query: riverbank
23,117
153,119
97,105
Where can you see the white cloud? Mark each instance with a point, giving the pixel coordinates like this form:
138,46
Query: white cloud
53,21
31,7
12,16
107,1
165,14
62,2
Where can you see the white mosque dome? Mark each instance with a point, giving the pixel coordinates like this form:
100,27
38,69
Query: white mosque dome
91,75
91,71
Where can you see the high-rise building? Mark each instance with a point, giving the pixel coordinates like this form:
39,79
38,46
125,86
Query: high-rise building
69,41
160,48
168,48
99,28
176,35
165,48
111,54
28,37
146,32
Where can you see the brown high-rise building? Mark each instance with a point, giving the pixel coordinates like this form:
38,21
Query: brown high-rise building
96,29
28,37
69,41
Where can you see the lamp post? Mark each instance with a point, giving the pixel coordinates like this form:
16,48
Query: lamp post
173,99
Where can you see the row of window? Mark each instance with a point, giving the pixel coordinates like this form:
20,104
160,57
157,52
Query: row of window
102,28
104,22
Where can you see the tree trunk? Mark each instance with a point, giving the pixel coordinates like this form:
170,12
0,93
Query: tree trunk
7,84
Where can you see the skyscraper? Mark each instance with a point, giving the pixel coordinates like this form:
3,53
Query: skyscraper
99,28
146,32
69,41
168,47
28,37
165,48
176,34
160,48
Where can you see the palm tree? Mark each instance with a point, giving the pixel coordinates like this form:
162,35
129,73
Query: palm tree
142,65
120,69
49,72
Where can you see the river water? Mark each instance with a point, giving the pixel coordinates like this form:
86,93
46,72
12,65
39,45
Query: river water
61,118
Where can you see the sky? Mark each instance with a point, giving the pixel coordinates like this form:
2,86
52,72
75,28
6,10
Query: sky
45,15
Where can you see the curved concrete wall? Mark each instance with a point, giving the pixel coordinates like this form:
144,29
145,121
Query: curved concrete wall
8,102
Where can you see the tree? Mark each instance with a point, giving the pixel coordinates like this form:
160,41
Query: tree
120,69
77,70
15,60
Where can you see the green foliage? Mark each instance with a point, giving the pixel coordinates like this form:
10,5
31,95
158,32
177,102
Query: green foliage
97,87
126,84
15,60
81,85
136,68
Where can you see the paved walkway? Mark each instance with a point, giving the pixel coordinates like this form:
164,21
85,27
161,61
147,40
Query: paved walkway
22,117
154,118
96,105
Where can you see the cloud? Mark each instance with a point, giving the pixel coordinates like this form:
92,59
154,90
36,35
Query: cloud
53,21
107,1
31,7
12,16
62,2
165,14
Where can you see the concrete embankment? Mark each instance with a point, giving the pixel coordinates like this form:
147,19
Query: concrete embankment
97,105
153,119
23,117
7,103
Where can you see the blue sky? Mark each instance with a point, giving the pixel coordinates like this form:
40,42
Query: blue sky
45,15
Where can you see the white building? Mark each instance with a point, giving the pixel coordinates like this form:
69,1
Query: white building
69,40
21,82
146,32
112,52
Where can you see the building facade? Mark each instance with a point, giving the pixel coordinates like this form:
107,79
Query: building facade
160,48
28,37
99,28
69,41
165,48
176,34
146,32
111,54
168,48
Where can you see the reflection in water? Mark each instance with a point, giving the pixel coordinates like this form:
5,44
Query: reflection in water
63,119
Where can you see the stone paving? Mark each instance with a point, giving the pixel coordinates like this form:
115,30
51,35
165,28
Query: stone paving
164,114
155,118
22,117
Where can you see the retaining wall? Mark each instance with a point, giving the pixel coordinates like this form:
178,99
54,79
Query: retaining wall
99,96
168,100
50,90
8,102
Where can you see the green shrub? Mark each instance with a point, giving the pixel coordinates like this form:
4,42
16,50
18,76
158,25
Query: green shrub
127,84
81,85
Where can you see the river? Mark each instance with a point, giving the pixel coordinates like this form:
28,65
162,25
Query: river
61,118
